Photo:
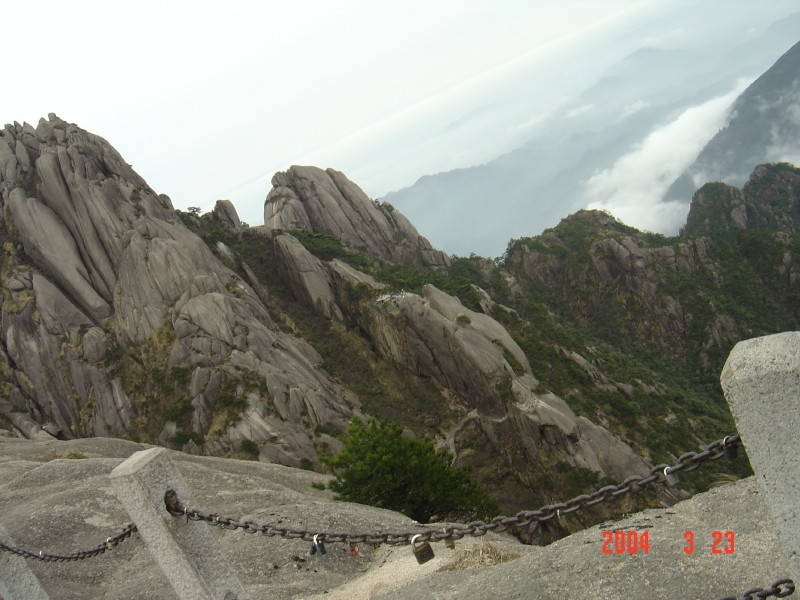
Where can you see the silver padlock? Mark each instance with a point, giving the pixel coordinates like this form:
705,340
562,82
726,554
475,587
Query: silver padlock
317,546
422,552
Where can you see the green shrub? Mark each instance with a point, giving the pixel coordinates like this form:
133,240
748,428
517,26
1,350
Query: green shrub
180,375
175,409
318,485
249,447
183,437
381,467
75,455
463,320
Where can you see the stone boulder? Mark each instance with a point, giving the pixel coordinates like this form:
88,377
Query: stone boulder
225,212
308,278
327,202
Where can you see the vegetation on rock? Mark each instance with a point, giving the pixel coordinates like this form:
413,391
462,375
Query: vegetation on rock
381,467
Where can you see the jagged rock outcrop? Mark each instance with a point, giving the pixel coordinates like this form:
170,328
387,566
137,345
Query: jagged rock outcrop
225,213
434,335
770,200
100,276
327,202
308,277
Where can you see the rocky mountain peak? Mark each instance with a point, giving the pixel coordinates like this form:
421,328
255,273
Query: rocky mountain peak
117,319
328,202
770,199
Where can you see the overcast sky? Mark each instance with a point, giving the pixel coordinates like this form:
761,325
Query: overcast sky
207,100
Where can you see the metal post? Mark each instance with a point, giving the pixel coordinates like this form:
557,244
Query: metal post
187,553
761,381
16,578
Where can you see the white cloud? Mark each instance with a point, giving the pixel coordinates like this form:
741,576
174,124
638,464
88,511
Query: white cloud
580,110
534,121
633,108
633,187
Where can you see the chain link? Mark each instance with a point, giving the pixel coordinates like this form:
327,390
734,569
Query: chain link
635,483
779,589
129,530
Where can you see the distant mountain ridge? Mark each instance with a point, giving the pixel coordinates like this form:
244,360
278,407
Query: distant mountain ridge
764,126
544,180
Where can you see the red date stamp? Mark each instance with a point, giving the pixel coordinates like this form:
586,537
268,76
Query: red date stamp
635,542
621,542
722,542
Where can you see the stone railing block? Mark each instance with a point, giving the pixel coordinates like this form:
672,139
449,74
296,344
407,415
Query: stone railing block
188,553
761,381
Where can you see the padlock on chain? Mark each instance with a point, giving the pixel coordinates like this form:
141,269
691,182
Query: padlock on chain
422,552
671,479
317,546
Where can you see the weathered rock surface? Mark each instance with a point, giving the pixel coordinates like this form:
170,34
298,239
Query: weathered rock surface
62,505
308,277
110,276
225,213
326,201
470,353
433,334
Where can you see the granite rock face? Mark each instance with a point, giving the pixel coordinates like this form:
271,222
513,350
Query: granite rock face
307,276
469,354
327,202
226,214
100,273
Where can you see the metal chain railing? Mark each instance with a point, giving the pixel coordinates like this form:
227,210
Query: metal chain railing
686,462
779,589
129,530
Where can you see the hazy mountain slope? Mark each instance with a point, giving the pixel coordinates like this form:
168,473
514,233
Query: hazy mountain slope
534,186
764,126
